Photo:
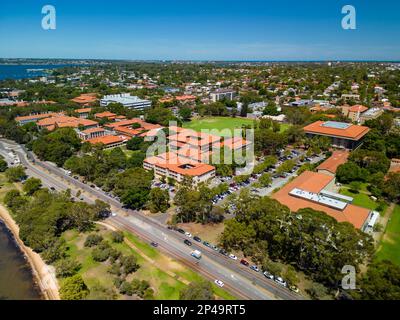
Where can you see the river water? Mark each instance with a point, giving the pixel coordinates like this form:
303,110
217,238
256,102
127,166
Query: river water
16,279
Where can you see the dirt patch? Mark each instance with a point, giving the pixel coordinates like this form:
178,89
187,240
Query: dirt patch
208,232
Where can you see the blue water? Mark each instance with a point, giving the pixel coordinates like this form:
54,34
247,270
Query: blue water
21,71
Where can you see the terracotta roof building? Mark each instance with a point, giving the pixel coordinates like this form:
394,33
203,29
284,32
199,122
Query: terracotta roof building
109,141
343,135
173,166
330,165
65,121
314,190
35,117
85,98
83,113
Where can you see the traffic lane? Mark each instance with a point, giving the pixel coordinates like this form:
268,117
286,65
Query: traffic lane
257,277
205,266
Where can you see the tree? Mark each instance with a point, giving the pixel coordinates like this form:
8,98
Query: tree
185,113
135,143
15,174
291,276
129,264
355,186
67,267
117,236
14,200
158,200
317,291
392,186
197,291
74,288
93,240
349,172
98,292
380,282
265,180
32,185
3,165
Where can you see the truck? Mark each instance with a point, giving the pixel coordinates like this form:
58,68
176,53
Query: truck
196,254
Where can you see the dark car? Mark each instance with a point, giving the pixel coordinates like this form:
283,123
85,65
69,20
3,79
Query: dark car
244,262
92,186
76,177
154,244
207,244
187,242
181,231
224,252
196,238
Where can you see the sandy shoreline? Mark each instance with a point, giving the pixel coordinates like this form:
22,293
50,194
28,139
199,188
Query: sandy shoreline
44,274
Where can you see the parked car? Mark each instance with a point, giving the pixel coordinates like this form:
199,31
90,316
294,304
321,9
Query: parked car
187,242
223,252
196,238
233,257
244,262
294,289
219,283
188,234
280,281
181,231
207,244
255,268
268,275
154,244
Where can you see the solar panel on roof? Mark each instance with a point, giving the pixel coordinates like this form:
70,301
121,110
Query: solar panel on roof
336,125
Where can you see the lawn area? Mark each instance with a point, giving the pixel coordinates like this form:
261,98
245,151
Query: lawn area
221,123
389,248
362,199
167,281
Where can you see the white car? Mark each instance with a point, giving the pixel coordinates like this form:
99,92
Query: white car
113,214
219,283
233,257
188,234
280,281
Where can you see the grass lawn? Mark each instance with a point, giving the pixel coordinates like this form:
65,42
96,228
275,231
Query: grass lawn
361,199
167,281
389,248
221,123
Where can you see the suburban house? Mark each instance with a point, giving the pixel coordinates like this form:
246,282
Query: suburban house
317,191
343,135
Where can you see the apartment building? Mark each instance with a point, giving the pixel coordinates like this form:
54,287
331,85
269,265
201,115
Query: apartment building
221,94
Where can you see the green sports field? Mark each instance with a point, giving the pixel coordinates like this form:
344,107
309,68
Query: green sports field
390,245
222,123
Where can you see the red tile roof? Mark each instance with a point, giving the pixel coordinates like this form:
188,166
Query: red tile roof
106,140
333,162
315,182
353,132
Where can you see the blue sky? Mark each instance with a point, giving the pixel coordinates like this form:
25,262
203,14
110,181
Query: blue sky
202,30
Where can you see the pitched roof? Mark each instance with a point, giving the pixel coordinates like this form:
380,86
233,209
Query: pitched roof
328,128
337,158
315,183
106,140
358,108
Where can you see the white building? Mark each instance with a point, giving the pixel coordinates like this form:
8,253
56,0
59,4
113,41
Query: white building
221,94
126,100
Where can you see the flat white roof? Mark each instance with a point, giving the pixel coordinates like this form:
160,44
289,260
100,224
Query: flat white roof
318,198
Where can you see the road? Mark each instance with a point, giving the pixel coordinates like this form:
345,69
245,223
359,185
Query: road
240,280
